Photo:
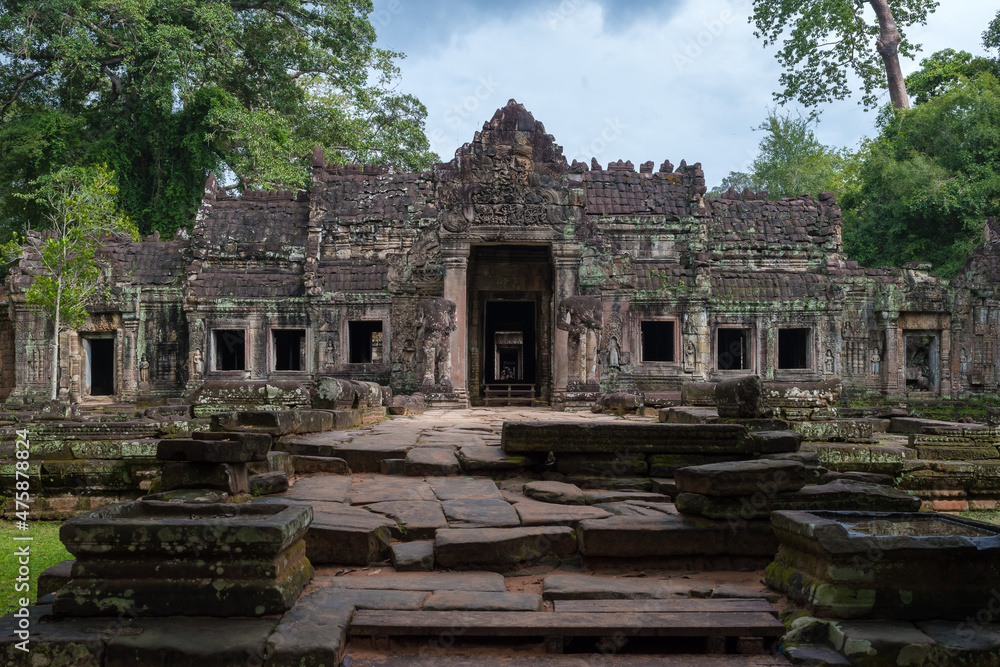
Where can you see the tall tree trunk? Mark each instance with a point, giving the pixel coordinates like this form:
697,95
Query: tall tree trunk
54,394
888,48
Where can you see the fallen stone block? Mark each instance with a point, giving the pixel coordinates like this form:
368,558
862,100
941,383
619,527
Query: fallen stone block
742,398
313,632
478,459
664,465
889,642
367,491
331,465
675,536
620,464
633,437
741,478
841,495
501,547
822,394
555,492
944,453
417,519
413,556
268,483
701,394
480,513
687,415
776,442
241,450
345,535
910,425
424,461
229,477
534,513
836,430
53,578
51,642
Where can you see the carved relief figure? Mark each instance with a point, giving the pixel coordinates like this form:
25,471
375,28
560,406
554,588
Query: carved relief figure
614,353
582,317
876,362
828,364
144,369
690,356
436,321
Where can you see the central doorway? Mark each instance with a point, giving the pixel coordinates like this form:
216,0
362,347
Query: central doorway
99,366
510,318
510,327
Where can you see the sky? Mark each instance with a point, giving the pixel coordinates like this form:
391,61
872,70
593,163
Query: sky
621,79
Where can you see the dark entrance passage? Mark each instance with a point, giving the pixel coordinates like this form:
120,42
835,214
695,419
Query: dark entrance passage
509,319
101,366
510,328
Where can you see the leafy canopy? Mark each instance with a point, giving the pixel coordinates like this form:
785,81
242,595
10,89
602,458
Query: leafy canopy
166,90
791,161
824,43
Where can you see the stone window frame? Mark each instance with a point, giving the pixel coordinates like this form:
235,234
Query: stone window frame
213,358
307,343
751,366
346,348
116,371
812,358
677,340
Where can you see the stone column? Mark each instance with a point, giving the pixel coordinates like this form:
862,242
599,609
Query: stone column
257,342
129,384
895,352
456,267
566,258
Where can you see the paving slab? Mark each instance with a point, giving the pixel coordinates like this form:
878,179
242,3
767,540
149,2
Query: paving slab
327,488
464,601
594,497
480,513
414,581
594,437
424,461
317,444
369,490
268,483
629,509
864,640
452,488
191,641
452,439
500,547
379,599
367,454
341,534
953,636
418,519
634,484
587,587
312,633
534,513
304,465
413,556
555,492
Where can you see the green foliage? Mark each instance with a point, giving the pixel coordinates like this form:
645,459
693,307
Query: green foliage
791,161
927,183
826,43
46,551
991,37
737,180
165,91
944,69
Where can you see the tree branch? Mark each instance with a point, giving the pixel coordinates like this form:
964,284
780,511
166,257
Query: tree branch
21,83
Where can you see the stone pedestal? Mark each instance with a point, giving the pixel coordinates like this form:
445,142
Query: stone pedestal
162,559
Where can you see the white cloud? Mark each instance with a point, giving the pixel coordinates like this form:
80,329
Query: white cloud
686,83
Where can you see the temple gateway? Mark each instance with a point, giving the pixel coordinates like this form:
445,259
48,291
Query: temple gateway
506,272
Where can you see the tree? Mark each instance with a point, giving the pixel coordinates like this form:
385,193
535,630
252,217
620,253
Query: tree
66,270
825,41
736,180
791,161
930,179
944,69
167,90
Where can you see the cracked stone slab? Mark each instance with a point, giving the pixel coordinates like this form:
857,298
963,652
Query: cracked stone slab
378,599
423,461
489,458
417,581
480,513
345,535
314,631
327,488
555,492
367,491
534,513
419,518
413,556
453,488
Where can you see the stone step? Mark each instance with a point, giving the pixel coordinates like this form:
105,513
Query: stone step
564,624
489,548
675,536
685,605
488,582
637,437
421,461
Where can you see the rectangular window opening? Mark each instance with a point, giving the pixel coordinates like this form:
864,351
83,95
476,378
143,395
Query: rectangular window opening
733,349
365,341
657,340
793,348
289,349
230,349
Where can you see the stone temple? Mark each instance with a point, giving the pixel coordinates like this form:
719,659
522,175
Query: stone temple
506,272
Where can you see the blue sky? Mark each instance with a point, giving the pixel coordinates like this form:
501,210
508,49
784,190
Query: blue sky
638,80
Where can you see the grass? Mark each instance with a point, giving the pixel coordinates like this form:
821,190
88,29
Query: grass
989,516
46,551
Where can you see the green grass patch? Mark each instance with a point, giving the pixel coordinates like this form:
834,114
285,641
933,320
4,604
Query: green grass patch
989,516
46,551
